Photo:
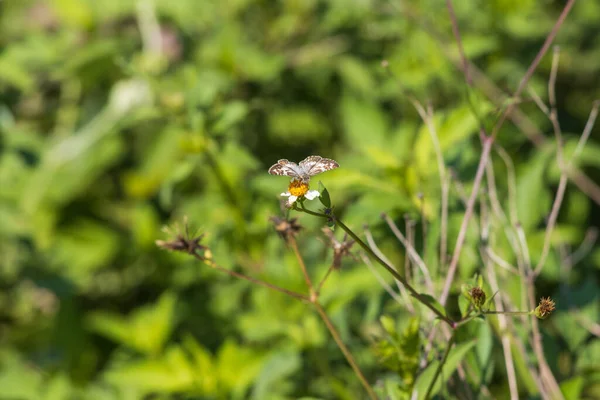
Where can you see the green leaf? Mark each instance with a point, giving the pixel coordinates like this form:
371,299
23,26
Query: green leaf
571,388
171,373
388,324
463,305
237,367
273,374
324,198
146,329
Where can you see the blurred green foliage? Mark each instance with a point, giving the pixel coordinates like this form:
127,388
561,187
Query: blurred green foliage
120,116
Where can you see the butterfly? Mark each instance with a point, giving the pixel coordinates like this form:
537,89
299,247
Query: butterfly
311,165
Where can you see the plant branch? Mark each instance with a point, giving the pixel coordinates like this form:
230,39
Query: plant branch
378,252
309,285
505,334
534,64
412,253
324,279
314,299
390,269
546,374
427,117
487,145
384,284
336,336
259,282
461,50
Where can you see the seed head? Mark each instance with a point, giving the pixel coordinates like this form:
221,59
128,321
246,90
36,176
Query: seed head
184,242
287,229
340,249
545,308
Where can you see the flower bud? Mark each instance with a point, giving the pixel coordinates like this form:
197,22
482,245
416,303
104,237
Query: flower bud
477,297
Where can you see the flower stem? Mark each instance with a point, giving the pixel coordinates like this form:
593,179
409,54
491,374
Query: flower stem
391,270
344,349
314,299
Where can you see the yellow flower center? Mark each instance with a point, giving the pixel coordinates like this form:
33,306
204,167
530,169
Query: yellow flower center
298,188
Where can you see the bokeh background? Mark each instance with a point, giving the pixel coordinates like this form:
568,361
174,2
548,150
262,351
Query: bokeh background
118,117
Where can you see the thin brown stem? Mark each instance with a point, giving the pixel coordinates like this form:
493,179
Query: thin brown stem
338,340
587,245
519,118
504,333
525,266
251,279
546,374
560,193
294,246
534,64
461,50
552,80
380,254
587,324
500,262
487,145
488,141
427,117
444,224
562,185
409,227
314,299
324,279
410,250
384,284
586,132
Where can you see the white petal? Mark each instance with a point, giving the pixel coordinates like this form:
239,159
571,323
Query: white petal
286,194
312,194
292,200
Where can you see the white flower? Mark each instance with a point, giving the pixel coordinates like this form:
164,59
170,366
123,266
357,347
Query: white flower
299,189
310,195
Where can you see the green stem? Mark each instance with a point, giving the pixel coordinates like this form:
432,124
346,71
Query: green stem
438,371
391,270
470,317
509,312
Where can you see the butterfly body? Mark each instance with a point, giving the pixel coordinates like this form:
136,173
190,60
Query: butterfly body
310,166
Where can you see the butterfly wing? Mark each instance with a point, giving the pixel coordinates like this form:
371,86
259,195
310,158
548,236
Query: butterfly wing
314,165
285,167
